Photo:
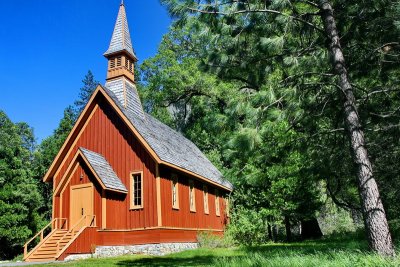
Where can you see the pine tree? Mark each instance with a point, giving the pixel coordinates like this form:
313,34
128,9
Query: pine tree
252,41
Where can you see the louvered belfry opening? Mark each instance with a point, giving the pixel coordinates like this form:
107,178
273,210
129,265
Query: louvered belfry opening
120,52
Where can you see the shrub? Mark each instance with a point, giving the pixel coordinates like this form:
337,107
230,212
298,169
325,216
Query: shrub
246,227
210,240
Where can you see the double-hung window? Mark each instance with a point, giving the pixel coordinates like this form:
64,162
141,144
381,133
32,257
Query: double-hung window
192,200
136,188
217,208
175,192
205,195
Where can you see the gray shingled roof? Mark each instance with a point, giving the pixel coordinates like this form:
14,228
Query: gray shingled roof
121,39
169,145
103,170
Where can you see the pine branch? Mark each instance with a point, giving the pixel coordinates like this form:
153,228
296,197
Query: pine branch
271,11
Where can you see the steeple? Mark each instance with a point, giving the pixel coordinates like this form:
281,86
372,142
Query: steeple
120,74
120,55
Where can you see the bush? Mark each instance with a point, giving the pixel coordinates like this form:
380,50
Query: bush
210,240
246,227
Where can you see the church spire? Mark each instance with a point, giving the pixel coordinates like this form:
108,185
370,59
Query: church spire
120,74
120,52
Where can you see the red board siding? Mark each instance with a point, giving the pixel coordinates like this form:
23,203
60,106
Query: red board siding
75,179
183,217
114,238
84,243
107,134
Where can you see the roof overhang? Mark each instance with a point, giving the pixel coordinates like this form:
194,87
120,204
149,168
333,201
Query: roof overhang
71,169
82,120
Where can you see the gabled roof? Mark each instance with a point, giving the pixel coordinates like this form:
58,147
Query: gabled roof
169,145
121,40
103,170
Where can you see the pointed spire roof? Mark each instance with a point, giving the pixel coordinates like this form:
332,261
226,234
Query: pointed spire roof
121,39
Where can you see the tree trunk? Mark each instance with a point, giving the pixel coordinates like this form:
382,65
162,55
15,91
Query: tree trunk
310,229
275,232
269,227
375,221
288,231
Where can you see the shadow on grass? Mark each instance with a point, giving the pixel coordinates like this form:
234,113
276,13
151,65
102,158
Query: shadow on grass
271,250
169,261
309,247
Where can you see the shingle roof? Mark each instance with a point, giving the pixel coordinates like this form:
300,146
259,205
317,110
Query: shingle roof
103,170
169,145
121,40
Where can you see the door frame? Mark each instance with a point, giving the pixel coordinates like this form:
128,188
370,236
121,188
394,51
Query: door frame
72,187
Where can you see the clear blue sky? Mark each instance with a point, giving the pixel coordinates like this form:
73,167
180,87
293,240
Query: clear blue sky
47,47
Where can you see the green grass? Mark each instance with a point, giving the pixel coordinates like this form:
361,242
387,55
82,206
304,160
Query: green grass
328,252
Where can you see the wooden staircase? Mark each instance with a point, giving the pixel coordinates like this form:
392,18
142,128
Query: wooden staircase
57,241
49,249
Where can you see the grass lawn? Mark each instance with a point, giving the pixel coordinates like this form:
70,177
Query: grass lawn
332,252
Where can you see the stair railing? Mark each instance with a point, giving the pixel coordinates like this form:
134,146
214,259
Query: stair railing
56,223
83,219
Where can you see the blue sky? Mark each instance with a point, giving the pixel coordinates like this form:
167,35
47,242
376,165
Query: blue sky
47,47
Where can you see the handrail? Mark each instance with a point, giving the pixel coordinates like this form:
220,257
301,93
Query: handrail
41,233
71,230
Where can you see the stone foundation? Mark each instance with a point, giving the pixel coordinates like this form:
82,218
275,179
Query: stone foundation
148,249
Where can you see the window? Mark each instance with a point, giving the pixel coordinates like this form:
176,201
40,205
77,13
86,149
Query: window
192,199
205,195
217,210
136,190
130,66
227,207
118,61
175,193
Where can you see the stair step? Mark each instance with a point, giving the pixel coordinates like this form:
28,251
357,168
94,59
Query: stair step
46,250
44,254
40,259
52,246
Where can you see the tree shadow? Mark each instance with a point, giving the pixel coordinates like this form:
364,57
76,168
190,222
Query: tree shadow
169,261
311,248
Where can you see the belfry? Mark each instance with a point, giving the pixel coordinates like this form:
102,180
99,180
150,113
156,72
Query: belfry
123,180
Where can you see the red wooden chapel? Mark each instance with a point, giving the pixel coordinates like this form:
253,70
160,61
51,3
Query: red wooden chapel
124,178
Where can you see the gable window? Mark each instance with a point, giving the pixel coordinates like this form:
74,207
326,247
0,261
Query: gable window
175,193
205,195
192,199
136,188
217,208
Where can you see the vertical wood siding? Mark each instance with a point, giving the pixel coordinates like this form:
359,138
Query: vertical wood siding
84,243
183,217
108,135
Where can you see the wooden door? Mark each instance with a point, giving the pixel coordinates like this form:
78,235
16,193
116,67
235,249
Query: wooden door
81,202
